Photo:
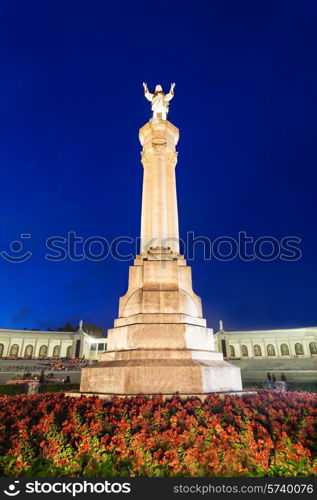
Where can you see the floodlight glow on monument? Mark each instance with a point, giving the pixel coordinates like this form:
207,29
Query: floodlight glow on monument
160,343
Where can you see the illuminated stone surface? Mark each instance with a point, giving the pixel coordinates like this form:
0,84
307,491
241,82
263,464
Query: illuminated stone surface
160,342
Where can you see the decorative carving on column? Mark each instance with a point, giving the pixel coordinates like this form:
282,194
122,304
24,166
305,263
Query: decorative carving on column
171,158
159,148
147,158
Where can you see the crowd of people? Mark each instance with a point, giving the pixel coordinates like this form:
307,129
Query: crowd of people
19,358
66,364
51,364
42,378
273,383
19,368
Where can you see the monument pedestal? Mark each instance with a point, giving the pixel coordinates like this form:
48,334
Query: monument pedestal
160,343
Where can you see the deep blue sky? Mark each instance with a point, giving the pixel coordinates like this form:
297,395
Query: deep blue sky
71,106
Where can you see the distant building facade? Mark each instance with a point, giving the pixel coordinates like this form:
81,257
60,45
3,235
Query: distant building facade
45,344
253,344
269,344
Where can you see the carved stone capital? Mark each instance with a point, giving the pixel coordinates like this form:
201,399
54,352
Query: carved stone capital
148,157
171,158
159,146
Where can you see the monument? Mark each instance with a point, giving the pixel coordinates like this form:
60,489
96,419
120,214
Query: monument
160,343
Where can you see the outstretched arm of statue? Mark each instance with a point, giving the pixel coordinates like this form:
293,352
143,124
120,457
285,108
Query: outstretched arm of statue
147,94
170,95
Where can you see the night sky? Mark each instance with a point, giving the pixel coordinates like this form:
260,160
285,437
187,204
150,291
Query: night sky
71,106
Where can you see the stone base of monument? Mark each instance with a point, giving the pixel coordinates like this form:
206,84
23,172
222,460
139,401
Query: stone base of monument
203,396
160,343
187,372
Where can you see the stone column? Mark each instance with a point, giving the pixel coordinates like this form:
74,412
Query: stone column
9,347
35,353
159,218
22,349
160,343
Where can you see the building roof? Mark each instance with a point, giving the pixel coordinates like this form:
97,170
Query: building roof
275,331
37,332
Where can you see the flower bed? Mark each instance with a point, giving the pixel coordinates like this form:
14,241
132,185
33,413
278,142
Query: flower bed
268,433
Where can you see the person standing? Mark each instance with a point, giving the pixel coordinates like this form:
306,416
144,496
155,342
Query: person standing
42,377
273,380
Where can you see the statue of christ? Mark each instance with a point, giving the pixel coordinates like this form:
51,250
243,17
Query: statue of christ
159,100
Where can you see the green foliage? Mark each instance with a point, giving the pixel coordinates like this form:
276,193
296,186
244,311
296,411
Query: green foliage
41,467
264,433
303,386
86,466
293,386
68,327
12,389
58,387
15,389
95,331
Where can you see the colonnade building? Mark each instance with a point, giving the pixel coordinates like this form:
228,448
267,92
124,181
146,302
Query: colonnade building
269,344
46,344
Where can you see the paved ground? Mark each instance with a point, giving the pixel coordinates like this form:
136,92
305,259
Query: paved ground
74,376
253,370
296,370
